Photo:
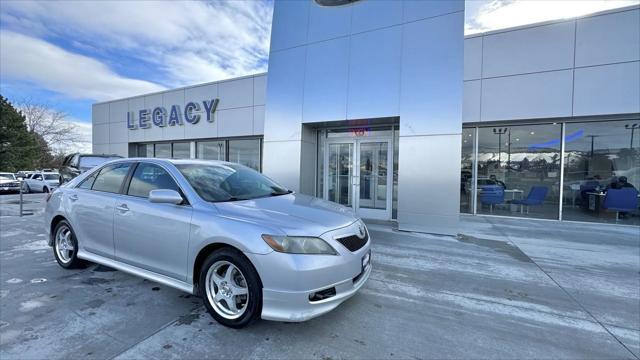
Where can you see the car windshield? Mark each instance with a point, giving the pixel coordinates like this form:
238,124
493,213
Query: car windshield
7,176
91,161
229,182
51,177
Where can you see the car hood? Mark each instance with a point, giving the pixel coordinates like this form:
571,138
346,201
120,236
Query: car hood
8,181
294,214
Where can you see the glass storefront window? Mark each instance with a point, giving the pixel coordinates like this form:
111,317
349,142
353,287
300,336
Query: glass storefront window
145,150
466,170
245,152
162,150
210,150
602,171
181,150
519,171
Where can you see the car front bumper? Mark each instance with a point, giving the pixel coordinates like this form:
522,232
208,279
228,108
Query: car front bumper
290,279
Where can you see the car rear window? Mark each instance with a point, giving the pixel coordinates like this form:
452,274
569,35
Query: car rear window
51,177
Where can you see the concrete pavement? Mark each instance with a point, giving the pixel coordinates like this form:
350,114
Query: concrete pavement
503,289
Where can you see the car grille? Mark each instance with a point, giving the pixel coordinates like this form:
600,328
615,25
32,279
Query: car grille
353,242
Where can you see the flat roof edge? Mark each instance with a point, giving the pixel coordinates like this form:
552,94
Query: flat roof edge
551,22
181,88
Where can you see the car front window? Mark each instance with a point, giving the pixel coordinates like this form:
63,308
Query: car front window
7,177
229,182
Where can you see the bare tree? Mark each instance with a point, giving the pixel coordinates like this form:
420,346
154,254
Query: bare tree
51,124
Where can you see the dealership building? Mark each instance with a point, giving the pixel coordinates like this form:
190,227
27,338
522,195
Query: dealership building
386,107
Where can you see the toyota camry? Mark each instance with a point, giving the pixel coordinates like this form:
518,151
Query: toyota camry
249,247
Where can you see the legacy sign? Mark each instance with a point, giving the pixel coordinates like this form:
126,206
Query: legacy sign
162,117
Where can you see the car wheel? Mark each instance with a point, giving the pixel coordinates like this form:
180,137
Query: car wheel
45,189
26,189
65,246
231,288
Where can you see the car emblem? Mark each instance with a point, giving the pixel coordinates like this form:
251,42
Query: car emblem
361,231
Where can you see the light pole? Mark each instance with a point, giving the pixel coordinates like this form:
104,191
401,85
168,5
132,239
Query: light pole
633,128
499,132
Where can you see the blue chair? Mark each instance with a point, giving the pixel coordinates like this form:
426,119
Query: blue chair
536,196
492,195
621,200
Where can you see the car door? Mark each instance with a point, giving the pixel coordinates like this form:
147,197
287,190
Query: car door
92,205
36,183
148,235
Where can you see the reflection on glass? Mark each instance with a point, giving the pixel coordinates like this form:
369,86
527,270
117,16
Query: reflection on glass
181,150
339,173
162,150
466,171
602,171
373,175
145,150
519,170
245,152
210,150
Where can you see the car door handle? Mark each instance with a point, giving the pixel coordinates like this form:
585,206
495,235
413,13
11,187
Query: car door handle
73,197
123,208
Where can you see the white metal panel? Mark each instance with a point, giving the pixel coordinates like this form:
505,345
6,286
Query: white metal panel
473,58
325,90
284,95
121,149
427,198
431,82
118,110
608,38
370,15
235,93
258,120
538,95
608,89
100,113
420,9
328,22
236,122
133,105
118,132
281,162
204,128
289,25
150,102
169,99
540,48
100,148
100,134
259,89
374,73
471,101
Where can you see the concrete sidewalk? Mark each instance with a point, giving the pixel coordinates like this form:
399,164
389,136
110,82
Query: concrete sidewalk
506,288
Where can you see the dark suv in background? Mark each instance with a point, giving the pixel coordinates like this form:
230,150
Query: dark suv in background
75,164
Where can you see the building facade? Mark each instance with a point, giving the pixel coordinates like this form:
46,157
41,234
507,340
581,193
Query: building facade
385,107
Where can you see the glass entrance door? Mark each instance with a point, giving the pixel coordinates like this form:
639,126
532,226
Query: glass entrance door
357,175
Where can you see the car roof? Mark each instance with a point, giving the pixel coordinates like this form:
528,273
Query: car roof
175,161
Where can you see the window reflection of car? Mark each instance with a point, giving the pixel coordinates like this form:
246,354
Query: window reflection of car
249,247
75,164
9,183
41,182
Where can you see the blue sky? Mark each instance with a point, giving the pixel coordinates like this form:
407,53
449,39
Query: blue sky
70,54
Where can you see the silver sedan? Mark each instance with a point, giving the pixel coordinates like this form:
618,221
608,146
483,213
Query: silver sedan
248,246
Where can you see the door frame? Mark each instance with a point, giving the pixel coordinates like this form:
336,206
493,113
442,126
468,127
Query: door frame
379,214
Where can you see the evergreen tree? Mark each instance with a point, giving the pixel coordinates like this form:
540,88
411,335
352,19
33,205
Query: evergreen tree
18,147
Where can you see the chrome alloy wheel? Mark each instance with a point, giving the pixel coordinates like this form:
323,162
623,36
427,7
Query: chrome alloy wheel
64,245
227,290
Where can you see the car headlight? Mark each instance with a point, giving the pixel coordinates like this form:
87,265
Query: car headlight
299,245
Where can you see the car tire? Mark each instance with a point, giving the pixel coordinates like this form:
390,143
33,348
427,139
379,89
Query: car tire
229,274
65,246
26,189
45,190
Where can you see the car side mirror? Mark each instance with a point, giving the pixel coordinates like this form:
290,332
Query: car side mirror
165,196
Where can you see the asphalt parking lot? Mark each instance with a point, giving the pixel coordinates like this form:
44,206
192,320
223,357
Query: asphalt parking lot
503,289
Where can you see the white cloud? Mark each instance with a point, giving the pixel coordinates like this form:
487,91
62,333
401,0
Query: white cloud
500,14
188,41
29,59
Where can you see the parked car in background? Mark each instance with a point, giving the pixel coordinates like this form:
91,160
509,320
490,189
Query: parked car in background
75,164
251,248
9,183
23,174
41,182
